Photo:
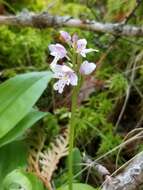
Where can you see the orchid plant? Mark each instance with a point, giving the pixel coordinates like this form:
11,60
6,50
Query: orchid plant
71,73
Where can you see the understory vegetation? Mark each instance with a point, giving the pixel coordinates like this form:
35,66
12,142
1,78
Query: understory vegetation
34,142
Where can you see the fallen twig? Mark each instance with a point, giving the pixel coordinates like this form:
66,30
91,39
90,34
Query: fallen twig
44,20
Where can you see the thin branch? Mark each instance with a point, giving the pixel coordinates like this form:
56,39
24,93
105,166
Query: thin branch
133,73
132,13
130,178
44,20
115,38
130,140
100,169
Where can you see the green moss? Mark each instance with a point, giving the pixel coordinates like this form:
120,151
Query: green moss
23,47
16,6
118,83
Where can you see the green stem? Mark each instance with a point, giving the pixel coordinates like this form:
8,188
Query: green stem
72,127
71,136
76,65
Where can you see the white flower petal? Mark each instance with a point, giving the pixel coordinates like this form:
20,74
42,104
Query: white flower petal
85,51
89,50
73,79
81,47
83,54
54,63
66,36
56,86
59,86
65,75
57,68
51,48
74,38
81,44
66,69
87,68
58,75
58,50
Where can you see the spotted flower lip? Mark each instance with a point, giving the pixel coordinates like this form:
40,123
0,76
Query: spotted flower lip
81,47
87,68
65,75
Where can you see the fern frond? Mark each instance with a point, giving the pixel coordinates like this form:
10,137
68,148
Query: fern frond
50,157
43,160
36,142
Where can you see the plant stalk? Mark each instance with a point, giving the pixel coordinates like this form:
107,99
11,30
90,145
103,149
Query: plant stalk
71,136
76,65
72,128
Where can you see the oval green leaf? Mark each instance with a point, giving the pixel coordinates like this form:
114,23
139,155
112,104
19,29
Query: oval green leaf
18,95
29,120
19,179
77,186
12,156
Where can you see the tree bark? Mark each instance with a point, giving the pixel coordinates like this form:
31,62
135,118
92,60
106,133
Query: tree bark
129,179
45,20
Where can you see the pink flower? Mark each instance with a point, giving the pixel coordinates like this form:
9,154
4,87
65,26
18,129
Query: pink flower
58,51
81,47
87,68
65,36
68,38
74,38
65,75
78,44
